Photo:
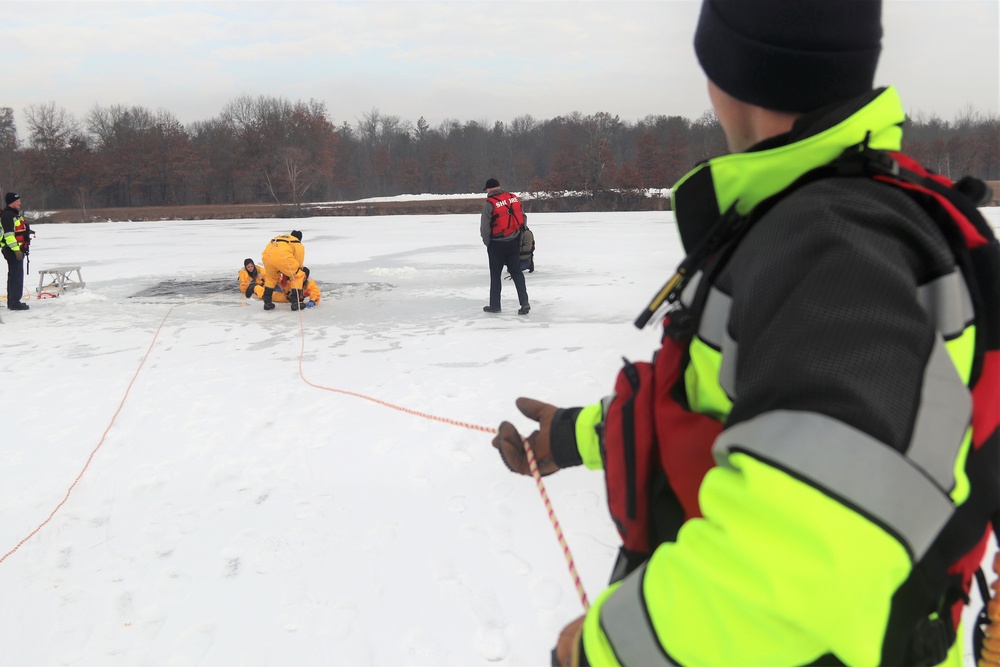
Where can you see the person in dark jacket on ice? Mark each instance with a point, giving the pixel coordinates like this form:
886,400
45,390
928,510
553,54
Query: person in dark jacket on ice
500,228
12,222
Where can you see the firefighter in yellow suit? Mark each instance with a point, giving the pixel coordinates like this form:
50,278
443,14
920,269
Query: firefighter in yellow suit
284,256
252,283
310,290
250,276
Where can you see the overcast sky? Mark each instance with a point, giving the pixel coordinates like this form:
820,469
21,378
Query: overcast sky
464,60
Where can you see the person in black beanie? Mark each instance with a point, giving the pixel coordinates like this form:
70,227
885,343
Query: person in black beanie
13,226
500,226
797,475
250,276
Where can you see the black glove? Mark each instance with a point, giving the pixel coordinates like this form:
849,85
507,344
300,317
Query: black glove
249,292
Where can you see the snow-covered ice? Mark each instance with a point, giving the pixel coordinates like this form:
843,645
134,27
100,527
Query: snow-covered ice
203,482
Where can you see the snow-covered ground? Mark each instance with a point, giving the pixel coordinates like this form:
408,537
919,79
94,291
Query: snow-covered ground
191,480
525,196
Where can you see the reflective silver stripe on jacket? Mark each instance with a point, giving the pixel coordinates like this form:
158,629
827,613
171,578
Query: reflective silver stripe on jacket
853,467
627,627
712,327
947,300
714,332
942,419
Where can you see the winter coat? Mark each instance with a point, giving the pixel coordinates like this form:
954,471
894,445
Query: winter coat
13,226
284,256
527,244
811,411
245,278
311,290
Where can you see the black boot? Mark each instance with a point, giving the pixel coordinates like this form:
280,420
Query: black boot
294,297
268,291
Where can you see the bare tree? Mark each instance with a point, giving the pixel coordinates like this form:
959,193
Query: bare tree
51,130
9,146
597,165
708,138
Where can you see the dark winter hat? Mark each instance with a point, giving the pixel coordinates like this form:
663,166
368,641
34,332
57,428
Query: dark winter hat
249,260
492,183
790,56
305,270
297,234
10,198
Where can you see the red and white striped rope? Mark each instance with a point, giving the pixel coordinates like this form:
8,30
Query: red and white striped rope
532,464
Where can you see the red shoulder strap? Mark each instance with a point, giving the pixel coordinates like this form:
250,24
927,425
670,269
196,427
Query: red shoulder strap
973,237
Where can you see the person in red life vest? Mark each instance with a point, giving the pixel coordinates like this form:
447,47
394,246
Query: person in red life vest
283,256
500,227
806,471
14,228
251,275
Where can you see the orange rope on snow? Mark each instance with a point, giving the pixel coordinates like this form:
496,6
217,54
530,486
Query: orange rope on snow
532,465
100,442
485,429
386,404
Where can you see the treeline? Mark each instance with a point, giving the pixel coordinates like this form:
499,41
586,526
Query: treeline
269,149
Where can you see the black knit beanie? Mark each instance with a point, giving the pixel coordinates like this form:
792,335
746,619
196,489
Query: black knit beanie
793,56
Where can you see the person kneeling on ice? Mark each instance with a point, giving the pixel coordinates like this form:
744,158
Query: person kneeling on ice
527,247
251,275
280,294
283,256
310,290
309,294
